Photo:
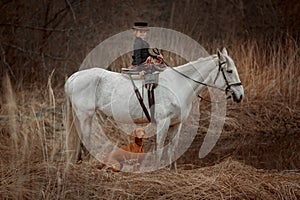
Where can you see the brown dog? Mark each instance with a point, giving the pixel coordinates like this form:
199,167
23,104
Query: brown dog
130,154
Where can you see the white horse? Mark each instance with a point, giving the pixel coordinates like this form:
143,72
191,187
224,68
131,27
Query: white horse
112,93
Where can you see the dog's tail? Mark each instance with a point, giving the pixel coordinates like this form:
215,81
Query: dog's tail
100,166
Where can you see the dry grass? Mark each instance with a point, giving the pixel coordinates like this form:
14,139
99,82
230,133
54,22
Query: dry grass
32,142
227,180
270,73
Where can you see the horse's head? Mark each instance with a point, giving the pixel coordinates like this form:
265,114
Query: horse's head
228,77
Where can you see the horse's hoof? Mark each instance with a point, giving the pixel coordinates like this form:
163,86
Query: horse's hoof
173,170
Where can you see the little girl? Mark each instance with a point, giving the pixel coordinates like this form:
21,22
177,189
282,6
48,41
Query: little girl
146,63
142,59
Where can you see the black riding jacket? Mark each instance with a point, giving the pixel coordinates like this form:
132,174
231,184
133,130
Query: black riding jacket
140,51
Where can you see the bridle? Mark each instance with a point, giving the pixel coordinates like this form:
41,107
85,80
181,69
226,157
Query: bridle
221,69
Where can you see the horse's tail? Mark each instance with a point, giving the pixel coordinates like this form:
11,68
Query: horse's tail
73,148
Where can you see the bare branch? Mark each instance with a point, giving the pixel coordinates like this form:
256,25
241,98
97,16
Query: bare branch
33,52
34,27
5,63
71,8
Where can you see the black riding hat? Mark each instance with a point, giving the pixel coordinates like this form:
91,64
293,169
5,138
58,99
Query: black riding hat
140,26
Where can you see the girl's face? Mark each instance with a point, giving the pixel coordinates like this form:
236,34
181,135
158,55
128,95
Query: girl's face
141,34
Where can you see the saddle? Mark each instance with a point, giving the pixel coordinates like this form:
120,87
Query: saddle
151,78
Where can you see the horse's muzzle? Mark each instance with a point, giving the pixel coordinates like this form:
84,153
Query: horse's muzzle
237,97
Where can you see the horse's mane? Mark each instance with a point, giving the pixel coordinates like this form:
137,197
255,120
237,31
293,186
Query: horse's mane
201,59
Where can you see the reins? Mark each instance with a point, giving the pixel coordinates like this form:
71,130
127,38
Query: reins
156,51
201,83
220,69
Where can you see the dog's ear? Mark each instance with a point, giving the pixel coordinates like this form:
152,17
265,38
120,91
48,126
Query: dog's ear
133,135
145,135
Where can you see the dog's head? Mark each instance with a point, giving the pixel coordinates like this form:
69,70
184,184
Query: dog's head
138,133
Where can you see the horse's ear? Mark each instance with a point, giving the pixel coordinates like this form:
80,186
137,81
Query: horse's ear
220,55
224,51
146,136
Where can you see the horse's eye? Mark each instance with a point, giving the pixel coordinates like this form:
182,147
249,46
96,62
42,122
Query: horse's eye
229,71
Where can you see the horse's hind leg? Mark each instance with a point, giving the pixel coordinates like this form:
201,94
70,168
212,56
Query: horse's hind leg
85,127
83,149
75,135
72,137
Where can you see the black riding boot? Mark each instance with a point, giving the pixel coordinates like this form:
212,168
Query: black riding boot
151,102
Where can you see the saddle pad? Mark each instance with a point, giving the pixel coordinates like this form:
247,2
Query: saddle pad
134,77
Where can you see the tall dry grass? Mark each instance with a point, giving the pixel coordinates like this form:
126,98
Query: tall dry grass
30,145
270,73
33,161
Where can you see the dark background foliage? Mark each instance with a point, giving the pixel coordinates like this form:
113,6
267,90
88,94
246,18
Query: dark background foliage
39,36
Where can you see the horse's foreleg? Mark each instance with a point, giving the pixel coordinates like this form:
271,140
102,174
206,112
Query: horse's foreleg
175,132
162,130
